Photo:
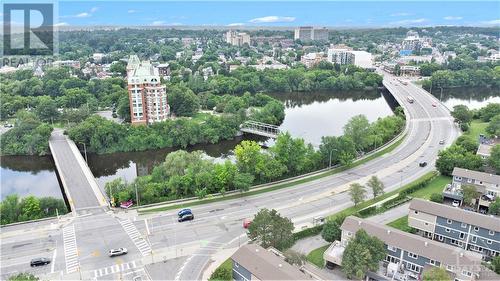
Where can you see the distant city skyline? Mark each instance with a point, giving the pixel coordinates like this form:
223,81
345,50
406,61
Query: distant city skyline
279,13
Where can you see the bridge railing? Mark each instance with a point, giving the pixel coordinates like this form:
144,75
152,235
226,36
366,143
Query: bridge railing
255,126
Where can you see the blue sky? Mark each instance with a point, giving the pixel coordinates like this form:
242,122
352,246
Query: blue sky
280,13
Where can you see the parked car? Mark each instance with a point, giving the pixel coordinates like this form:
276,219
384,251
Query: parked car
117,252
246,223
422,164
184,212
126,204
186,217
455,203
8,125
39,261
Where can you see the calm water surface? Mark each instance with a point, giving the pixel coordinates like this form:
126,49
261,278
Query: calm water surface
308,115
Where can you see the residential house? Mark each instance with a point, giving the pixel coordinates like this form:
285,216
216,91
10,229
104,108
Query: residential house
408,255
454,226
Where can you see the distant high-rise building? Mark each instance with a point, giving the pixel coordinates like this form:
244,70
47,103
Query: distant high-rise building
148,98
345,55
237,38
309,33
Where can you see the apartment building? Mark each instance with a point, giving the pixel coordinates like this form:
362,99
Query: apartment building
311,59
237,38
408,255
309,33
252,262
148,98
345,56
454,226
488,185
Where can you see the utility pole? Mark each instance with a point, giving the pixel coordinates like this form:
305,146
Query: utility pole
136,195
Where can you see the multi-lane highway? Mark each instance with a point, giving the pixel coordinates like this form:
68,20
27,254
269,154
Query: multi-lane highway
191,245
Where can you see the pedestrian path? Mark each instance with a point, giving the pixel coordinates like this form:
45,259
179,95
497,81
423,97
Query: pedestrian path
114,269
70,249
136,237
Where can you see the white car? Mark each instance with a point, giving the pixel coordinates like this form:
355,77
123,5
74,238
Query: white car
441,142
117,252
455,203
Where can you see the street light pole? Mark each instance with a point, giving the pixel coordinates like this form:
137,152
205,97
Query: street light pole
85,150
137,195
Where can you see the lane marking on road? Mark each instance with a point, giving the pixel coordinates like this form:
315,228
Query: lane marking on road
70,249
53,261
115,269
136,237
147,227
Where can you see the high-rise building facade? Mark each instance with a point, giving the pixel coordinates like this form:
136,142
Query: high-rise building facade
148,98
309,33
237,38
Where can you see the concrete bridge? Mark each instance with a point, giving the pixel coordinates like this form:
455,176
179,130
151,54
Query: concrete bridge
80,187
261,129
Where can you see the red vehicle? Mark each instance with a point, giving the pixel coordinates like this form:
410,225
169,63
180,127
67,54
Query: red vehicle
126,204
246,223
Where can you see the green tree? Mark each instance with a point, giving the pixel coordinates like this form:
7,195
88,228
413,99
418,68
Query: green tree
362,254
493,127
292,153
30,208
46,109
462,114
248,155
221,274
470,193
294,258
436,197
494,208
494,159
23,277
495,264
376,185
436,274
331,231
457,156
183,101
271,229
357,128
357,193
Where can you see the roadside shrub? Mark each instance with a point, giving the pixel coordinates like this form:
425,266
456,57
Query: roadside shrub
436,197
368,212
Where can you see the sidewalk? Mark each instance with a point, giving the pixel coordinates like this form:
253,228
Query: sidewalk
391,215
306,245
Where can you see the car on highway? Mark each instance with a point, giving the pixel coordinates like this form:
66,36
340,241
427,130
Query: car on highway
246,223
186,217
434,105
117,252
441,142
184,212
39,261
422,164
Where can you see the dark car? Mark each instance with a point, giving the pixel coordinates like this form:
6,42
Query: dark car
422,164
184,212
186,217
39,261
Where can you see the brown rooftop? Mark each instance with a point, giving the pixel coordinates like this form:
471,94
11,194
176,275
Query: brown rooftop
456,214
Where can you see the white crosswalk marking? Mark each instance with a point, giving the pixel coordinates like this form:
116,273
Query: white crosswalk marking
114,269
70,249
136,237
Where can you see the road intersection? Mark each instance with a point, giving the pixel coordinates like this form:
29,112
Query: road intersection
158,237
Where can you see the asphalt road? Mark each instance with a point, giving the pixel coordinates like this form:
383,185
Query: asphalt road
218,226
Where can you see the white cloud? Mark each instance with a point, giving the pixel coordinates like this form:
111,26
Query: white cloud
236,24
131,11
491,22
401,14
409,22
61,24
83,15
158,22
452,18
272,19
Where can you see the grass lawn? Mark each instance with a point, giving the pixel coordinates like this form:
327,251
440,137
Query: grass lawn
227,264
201,116
401,224
435,186
476,127
316,256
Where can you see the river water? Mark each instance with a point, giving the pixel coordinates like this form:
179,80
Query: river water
307,115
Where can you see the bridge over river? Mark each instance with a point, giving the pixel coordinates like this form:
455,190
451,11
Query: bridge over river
259,128
80,187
